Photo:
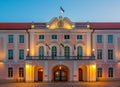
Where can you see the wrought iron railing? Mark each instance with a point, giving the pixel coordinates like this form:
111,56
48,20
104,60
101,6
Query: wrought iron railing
60,58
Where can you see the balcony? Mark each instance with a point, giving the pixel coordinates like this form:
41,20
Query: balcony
60,58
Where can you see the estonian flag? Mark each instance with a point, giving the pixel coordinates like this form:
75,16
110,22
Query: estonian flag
47,46
61,10
62,45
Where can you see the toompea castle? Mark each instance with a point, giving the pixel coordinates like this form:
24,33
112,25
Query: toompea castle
60,50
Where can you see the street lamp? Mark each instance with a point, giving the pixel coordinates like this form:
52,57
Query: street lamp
27,52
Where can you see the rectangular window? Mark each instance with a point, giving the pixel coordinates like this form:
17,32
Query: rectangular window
10,72
99,54
110,72
10,39
41,37
21,54
21,38
66,37
110,54
54,37
99,72
110,38
10,54
79,37
99,38
21,72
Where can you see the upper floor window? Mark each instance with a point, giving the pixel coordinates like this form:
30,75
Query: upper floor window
110,72
99,72
99,38
21,54
99,54
79,51
21,38
110,54
10,72
67,51
54,37
10,54
41,51
66,37
41,37
110,38
54,51
10,38
21,72
79,37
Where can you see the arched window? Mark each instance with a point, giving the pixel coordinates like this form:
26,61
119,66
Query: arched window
41,52
79,51
54,51
67,51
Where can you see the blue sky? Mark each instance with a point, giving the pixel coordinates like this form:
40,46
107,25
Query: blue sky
44,10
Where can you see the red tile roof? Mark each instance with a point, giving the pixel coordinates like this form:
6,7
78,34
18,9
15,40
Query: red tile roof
93,25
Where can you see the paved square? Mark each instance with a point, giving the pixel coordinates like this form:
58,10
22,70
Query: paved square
63,84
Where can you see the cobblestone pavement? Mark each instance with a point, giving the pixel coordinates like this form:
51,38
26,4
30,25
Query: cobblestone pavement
63,84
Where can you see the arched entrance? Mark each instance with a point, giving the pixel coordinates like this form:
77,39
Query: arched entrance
82,73
60,73
38,73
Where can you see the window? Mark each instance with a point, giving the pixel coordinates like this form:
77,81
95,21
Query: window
110,38
10,39
54,37
110,72
66,37
99,72
110,54
99,54
54,51
79,51
79,37
21,72
10,54
41,37
41,52
21,54
21,38
99,38
10,72
67,51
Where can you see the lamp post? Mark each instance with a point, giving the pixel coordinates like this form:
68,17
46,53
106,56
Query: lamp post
93,50
27,52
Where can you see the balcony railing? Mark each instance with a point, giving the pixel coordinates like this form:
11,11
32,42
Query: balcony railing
60,58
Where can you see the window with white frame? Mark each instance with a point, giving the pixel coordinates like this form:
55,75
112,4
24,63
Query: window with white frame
54,37
110,54
10,72
79,51
110,72
99,38
10,38
66,37
41,51
110,39
21,38
67,51
99,53
41,37
79,37
54,51
21,54
10,54
99,72
21,72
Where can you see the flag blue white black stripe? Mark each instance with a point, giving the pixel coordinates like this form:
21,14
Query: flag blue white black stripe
61,10
74,47
47,46
62,45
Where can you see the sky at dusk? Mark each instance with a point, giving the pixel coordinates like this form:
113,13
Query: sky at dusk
44,10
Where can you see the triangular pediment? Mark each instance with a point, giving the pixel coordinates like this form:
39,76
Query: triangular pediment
60,22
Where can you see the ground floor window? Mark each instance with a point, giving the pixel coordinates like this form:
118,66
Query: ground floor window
21,72
99,72
110,72
10,72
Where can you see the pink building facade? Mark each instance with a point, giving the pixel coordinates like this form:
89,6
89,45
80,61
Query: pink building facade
59,50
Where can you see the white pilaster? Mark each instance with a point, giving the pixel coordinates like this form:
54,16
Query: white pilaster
105,47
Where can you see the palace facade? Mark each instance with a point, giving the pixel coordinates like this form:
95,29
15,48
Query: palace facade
59,50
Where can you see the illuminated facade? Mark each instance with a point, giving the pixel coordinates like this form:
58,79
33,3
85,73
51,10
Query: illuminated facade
59,50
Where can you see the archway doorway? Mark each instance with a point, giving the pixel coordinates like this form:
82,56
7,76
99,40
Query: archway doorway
60,73
38,73
82,73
